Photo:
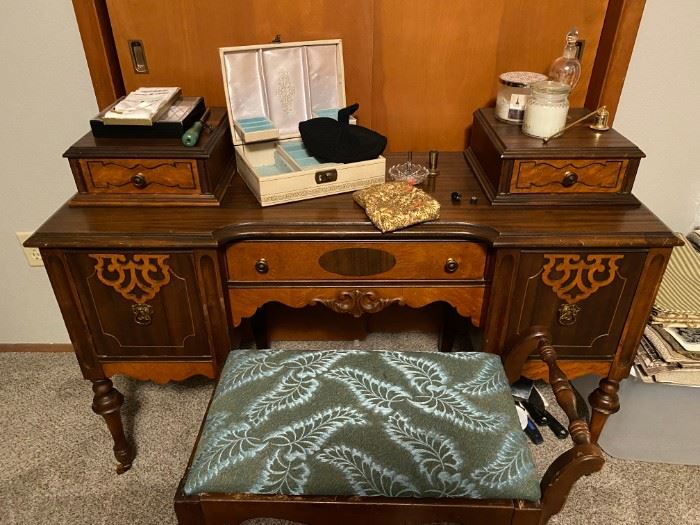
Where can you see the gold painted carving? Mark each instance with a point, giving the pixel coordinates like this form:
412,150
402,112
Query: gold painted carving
574,278
358,302
138,279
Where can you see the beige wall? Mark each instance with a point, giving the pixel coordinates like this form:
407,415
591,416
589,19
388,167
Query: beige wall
660,110
46,101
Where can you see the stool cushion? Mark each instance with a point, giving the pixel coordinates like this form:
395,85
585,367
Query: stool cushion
356,423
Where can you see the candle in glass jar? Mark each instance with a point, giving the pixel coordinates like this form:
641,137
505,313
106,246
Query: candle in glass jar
546,110
513,91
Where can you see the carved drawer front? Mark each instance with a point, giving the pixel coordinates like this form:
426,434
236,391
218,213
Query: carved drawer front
568,176
141,304
253,261
583,297
141,176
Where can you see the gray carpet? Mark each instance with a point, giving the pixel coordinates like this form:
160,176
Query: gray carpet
56,464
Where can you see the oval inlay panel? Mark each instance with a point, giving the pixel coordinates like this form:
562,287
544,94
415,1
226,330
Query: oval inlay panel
357,261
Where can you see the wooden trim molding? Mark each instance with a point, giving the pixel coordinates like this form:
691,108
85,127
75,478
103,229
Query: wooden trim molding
617,40
98,42
36,347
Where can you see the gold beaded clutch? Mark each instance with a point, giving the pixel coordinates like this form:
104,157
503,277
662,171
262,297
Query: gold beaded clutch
395,205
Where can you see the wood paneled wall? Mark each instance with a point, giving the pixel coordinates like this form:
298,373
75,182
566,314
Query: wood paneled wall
418,68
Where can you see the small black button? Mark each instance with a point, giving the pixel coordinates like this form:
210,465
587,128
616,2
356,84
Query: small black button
473,199
456,196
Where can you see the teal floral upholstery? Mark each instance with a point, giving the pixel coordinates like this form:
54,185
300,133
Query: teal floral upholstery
399,424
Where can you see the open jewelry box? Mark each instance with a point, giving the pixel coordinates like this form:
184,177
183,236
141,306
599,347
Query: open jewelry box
269,90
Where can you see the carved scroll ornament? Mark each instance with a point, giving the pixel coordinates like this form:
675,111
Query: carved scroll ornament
574,278
358,302
138,279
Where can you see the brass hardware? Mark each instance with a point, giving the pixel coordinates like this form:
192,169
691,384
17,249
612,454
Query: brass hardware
139,181
261,266
138,56
142,313
451,265
601,122
570,178
568,313
326,176
602,110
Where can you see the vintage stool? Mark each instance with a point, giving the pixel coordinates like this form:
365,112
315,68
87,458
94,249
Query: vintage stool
348,437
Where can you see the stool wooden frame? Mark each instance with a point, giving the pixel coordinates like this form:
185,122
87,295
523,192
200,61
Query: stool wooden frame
583,458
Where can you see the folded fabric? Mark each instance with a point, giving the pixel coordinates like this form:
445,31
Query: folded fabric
395,205
338,141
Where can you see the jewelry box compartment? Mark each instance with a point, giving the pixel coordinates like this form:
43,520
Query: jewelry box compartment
269,90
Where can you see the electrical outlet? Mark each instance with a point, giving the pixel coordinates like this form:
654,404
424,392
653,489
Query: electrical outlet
32,254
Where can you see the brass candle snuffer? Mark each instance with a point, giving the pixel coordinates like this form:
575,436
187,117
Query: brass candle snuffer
602,117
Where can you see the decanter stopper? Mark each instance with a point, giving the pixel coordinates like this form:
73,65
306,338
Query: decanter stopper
567,68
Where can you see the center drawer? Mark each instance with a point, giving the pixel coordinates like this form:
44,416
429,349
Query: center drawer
262,261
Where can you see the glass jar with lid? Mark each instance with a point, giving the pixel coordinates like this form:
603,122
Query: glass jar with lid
513,92
546,109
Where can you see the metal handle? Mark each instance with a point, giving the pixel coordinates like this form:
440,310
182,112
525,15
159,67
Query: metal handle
570,178
138,56
451,265
139,181
261,266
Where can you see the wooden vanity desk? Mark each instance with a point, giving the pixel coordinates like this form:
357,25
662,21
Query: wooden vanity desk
157,293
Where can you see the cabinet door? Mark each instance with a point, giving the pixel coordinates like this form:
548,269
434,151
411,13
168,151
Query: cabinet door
141,304
583,297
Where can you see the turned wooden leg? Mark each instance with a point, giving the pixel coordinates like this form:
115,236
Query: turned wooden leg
107,403
604,402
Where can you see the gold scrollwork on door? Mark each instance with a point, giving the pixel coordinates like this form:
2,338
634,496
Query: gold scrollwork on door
137,279
574,278
358,302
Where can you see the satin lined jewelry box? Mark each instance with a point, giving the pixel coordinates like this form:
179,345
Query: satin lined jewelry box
269,90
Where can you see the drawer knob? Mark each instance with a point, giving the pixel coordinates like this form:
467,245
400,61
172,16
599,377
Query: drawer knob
451,265
261,266
570,178
139,181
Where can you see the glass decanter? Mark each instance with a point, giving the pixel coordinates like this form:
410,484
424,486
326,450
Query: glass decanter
567,68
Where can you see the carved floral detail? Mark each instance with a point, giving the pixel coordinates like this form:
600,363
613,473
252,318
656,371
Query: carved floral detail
138,279
574,278
358,302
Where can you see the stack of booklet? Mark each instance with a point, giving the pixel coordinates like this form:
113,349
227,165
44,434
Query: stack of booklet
149,112
670,348
141,107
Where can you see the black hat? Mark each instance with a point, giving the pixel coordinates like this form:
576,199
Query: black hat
338,141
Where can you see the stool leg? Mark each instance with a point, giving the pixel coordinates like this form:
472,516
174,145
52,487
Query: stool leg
107,403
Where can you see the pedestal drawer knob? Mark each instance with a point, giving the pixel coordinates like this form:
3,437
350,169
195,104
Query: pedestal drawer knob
451,265
139,181
261,266
570,178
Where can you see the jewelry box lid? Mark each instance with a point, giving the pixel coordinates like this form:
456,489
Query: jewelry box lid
271,88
